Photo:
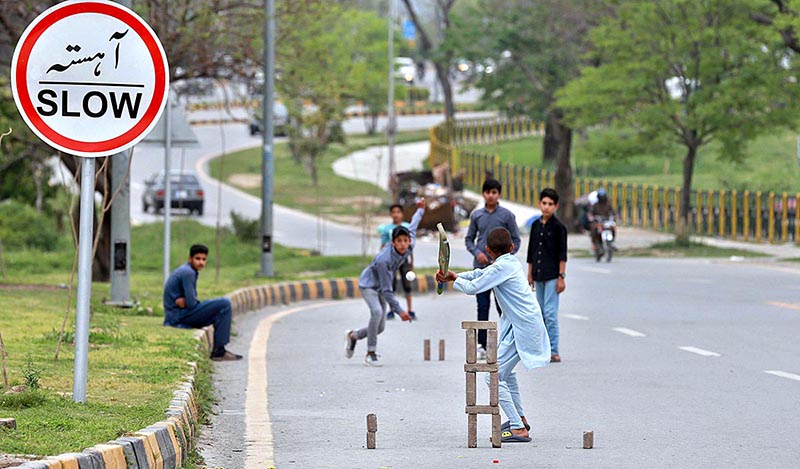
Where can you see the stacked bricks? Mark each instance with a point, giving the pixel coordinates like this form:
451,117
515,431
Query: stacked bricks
372,429
164,444
472,368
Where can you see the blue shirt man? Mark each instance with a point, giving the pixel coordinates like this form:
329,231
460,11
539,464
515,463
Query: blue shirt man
183,309
481,223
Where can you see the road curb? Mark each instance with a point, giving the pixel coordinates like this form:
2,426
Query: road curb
164,444
253,298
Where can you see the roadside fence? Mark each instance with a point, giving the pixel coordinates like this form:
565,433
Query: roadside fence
746,215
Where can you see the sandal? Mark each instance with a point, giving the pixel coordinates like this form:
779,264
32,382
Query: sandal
508,437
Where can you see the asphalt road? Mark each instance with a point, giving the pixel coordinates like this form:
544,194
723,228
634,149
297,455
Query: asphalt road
672,363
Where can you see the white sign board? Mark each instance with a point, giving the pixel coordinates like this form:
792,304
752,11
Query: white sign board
90,78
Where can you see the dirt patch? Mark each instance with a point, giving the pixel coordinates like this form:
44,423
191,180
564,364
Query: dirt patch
245,181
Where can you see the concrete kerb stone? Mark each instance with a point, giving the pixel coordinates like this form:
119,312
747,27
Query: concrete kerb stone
257,297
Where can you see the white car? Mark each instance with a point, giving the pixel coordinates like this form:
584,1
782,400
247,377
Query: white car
405,69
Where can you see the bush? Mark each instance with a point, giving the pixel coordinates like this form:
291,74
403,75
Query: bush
245,229
21,226
418,93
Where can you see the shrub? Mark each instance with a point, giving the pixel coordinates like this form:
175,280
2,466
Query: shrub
418,93
21,226
246,230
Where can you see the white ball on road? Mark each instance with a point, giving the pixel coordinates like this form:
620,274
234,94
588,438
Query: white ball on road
410,276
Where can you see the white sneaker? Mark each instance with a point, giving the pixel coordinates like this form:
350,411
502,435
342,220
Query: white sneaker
372,359
349,344
481,353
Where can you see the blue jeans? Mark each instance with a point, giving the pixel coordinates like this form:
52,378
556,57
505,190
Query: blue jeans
548,301
508,389
484,303
217,312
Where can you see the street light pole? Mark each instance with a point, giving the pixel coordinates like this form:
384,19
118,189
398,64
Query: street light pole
390,126
267,163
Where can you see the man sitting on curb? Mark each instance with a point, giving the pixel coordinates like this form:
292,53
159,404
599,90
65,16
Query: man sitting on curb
183,309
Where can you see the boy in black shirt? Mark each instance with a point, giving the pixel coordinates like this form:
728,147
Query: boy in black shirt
547,264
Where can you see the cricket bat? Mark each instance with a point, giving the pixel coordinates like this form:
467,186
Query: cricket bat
444,255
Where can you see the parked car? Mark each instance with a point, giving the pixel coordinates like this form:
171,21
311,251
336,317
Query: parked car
405,69
280,119
186,192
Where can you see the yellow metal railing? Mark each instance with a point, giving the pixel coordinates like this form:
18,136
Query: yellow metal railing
728,214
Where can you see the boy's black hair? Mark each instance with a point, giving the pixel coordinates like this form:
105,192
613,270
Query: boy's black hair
198,249
490,184
400,230
392,207
549,192
499,240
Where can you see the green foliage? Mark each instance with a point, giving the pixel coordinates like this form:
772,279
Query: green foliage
31,374
246,230
691,71
22,400
418,93
22,227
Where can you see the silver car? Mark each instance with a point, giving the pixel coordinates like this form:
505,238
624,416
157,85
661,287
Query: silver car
187,193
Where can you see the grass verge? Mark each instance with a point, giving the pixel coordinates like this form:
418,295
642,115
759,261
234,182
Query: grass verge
134,362
334,195
671,249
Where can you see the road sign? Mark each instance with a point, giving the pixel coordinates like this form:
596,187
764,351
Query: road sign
90,78
409,31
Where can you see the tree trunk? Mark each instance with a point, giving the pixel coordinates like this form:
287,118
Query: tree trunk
447,90
371,121
550,141
563,136
682,229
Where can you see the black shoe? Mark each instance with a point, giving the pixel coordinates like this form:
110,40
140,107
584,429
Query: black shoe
413,315
226,356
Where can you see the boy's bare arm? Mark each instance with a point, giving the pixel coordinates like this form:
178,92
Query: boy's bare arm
450,276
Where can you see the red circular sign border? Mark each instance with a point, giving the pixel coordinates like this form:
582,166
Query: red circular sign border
104,147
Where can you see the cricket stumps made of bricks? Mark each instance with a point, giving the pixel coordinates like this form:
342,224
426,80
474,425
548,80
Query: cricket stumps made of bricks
426,350
253,298
162,445
472,368
372,429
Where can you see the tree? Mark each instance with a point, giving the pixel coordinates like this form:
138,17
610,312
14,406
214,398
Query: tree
217,39
437,50
693,71
370,72
535,49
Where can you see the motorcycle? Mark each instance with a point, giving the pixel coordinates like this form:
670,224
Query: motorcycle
605,233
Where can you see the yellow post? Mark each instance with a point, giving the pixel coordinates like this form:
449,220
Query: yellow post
785,217
746,215
624,209
646,206
635,205
734,215
758,216
678,205
710,200
552,179
771,218
699,218
797,218
721,214
655,206
455,163
541,129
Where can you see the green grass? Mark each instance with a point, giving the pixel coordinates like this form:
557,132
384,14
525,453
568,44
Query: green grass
334,195
134,362
770,164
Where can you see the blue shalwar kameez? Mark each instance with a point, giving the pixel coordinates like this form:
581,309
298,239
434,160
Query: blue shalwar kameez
522,336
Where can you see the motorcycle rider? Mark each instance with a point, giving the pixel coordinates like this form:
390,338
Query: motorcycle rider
602,210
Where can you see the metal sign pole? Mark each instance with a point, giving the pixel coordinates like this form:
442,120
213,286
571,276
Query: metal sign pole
390,125
268,163
120,231
84,281
167,184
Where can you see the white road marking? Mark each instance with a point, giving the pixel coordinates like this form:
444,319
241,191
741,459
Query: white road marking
699,351
629,332
597,270
783,374
575,316
260,452
779,304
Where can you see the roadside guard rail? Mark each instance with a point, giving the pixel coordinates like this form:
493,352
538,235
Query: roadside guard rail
746,215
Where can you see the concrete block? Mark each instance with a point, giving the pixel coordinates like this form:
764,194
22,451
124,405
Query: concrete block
9,423
426,353
588,440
